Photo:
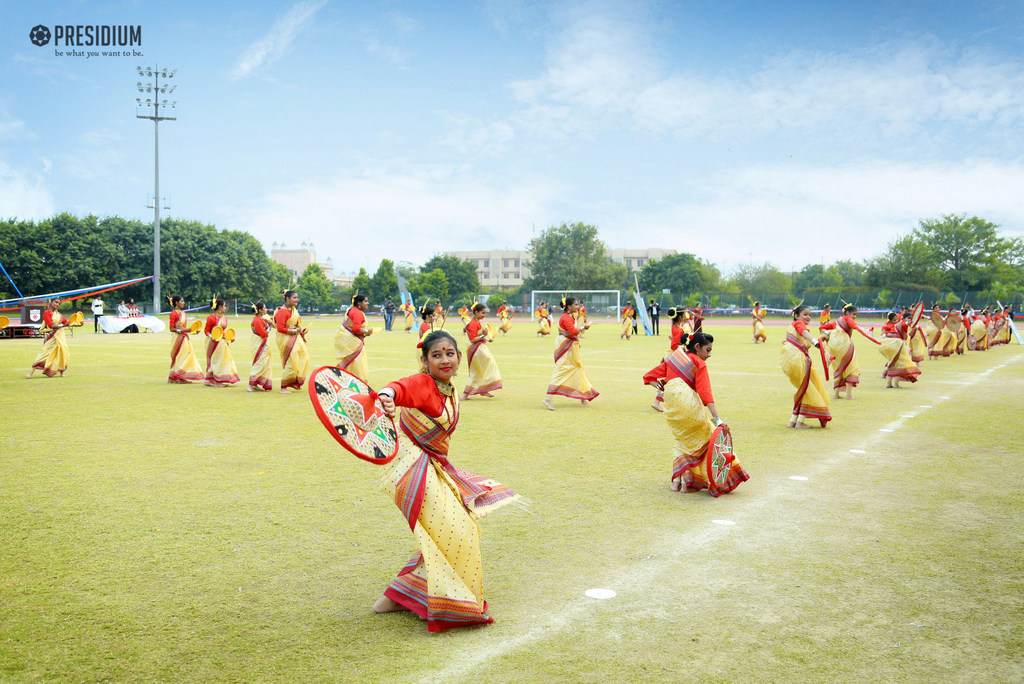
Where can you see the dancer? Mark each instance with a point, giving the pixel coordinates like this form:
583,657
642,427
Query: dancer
627,321
291,343
899,364
54,358
184,365
261,378
845,369
826,315
569,379
760,331
220,365
683,377
484,377
543,323
348,341
410,315
811,398
506,319
677,317
979,329
443,583
938,342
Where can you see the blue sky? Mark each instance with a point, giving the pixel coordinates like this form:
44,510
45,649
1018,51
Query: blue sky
788,132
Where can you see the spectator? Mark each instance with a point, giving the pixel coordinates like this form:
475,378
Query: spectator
97,311
389,314
655,311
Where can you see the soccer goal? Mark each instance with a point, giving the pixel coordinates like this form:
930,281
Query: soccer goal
605,302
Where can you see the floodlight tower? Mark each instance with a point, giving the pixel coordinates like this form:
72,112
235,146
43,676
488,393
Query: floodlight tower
150,108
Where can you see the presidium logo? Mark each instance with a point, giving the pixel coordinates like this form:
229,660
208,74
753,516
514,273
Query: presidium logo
89,36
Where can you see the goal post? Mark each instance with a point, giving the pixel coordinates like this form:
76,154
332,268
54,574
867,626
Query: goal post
596,301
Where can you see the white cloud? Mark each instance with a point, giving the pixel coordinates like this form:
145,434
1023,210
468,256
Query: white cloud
24,195
602,73
278,40
795,215
400,211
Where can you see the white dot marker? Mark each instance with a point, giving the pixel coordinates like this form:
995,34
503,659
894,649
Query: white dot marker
799,478
857,451
600,594
943,397
926,406
885,430
723,522
908,415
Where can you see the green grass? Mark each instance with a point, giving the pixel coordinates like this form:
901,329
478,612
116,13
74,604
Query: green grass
210,534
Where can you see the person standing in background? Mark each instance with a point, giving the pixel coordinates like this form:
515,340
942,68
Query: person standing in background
97,311
655,312
389,314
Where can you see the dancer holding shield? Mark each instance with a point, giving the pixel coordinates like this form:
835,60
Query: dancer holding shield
845,370
811,398
757,321
899,365
696,465
443,582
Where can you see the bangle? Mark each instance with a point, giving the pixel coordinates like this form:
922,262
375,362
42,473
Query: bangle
718,421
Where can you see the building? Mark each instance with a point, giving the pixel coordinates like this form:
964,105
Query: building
298,260
636,259
501,268
506,268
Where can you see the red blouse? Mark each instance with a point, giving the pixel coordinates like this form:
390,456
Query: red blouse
801,327
701,382
53,318
281,317
355,314
424,328
259,327
567,324
212,321
175,317
473,329
419,392
677,337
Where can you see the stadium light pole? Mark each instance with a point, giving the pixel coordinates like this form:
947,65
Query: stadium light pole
151,110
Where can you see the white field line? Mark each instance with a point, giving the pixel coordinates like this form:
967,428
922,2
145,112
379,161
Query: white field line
648,573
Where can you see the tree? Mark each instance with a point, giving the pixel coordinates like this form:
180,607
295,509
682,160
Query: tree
815,275
314,289
676,272
383,284
907,264
967,250
852,272
361,283
460,274
762,279
571,257
430,284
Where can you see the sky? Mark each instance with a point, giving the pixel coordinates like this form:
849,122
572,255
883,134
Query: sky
742,132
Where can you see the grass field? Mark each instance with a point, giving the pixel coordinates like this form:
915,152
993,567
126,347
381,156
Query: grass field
185,533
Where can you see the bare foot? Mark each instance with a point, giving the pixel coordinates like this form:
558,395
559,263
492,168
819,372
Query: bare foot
657,407
792,424
465,397
803,426
676,485
249,388
284,391
29,374
486,394
547,405
386,605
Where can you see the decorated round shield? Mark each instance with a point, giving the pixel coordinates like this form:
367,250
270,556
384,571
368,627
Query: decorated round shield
229,335
353,414
719,459
195,327
916,313
972,342
953,322
4,322
217,333
936,319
